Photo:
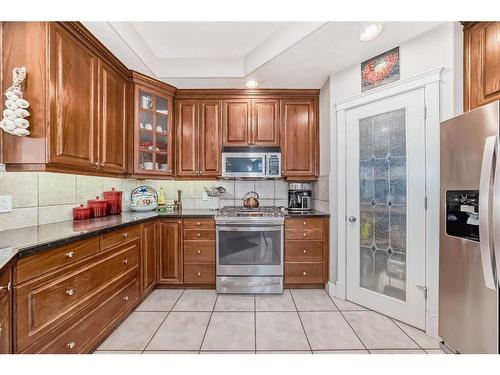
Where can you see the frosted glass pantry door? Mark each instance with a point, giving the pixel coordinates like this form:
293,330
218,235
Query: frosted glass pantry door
385,207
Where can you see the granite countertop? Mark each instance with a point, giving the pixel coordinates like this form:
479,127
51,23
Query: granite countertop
26,241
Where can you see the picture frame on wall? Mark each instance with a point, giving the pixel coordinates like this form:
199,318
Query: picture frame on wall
380,70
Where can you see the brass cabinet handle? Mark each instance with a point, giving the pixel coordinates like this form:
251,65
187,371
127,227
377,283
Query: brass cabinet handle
198,234
304,251
199,273
304,273
71,345
125,261
198,252
305,234
304,223
8,287
71,254
125,298
198,223
125,235
70,292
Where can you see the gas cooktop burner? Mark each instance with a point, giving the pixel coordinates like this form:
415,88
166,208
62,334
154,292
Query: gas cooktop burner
239,211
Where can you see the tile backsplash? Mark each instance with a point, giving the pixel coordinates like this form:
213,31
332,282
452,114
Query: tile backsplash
43,197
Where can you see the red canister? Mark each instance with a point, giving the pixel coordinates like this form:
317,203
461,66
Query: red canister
113,201
97,207
81,213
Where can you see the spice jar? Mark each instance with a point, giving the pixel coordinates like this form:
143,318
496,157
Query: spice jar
113,200
97,207
81,213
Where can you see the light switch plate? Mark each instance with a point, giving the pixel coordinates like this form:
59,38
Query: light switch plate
205,196
5,203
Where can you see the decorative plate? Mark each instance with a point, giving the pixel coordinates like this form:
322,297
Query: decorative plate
143,198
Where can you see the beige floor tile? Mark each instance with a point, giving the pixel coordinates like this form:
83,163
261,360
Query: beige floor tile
312,300
396,351
435,351
160,300
235,302
344,305
329,330
196,300
419,336
170,352
280,331
230,331
118,352
135,332
181,331
341,352
284,352
227,352
274,302
377,331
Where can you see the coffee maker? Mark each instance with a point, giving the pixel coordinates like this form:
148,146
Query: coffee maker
299,196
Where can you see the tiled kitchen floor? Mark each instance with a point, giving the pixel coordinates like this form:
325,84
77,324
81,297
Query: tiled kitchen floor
299,321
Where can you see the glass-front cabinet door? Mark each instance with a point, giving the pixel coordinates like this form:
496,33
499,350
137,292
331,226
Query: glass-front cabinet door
153,132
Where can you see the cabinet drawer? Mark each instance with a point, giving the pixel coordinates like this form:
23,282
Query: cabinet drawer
304,223
98,320
199,224
120,236
202,234
39,264
199,251
43,305
304,251
199,273
304,234
303,273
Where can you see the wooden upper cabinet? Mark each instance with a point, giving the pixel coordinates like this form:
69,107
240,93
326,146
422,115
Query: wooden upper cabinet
299,139
236,122
198,138
265,124
209,138
113,120
481,63
170,261
73,102
187,138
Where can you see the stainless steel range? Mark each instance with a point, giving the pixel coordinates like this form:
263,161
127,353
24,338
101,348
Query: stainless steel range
250,249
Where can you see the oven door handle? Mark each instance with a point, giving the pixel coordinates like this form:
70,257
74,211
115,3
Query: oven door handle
250,229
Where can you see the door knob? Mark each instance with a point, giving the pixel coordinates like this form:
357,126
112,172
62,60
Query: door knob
352,219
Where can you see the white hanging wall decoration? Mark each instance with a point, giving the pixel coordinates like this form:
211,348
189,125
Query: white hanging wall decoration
15,112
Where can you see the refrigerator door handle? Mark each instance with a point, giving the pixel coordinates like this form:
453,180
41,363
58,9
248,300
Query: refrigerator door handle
496,219
485,190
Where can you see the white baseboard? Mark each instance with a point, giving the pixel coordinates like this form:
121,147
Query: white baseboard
431,325
331,289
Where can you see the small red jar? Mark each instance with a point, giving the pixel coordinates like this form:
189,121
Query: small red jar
81,213
97,207
113,201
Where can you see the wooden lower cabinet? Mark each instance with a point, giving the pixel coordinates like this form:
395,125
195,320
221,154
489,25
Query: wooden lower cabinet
149,256
6,310
306,251
170,263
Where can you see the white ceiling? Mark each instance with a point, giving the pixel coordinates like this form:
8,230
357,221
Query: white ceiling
226,54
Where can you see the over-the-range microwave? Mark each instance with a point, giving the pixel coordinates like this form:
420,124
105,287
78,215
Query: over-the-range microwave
251,162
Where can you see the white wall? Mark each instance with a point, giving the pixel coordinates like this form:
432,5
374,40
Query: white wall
441,46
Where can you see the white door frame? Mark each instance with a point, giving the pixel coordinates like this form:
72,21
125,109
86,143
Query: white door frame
430,82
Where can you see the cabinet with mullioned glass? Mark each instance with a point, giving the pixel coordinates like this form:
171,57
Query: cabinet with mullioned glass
152,127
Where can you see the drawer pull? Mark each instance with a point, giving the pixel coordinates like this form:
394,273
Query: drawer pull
71,254
198,252
199,273
71,345
304,251
125,235
198,223
305,223
304,234
8,286
304,273
198,234
125,298
125,261
70,292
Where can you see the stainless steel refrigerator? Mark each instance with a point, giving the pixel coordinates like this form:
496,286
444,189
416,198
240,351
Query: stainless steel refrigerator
469,254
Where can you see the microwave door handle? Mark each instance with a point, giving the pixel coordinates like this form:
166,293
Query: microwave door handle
265,165
485,187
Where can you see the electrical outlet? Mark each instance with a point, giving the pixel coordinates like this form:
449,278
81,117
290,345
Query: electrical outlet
205,196
5,203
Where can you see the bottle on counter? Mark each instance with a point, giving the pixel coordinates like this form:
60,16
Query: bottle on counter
179,201
162,202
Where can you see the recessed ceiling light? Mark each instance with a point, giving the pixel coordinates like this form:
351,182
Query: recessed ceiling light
251,84
371,32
